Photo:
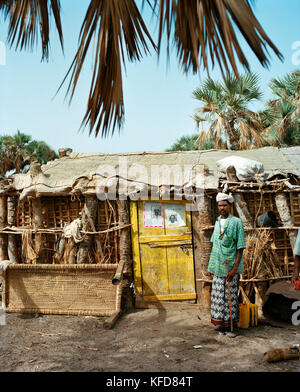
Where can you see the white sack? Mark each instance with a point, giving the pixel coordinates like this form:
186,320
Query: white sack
246,169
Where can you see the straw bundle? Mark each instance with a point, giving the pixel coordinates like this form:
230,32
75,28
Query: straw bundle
260,260
29,255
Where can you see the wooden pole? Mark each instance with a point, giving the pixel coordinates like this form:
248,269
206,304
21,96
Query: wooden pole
285,216
239,201
202,248
3,224
37,224
11,221
111,321
125,254
89,214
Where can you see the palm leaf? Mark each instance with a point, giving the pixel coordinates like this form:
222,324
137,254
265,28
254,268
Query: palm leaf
27,17
200,28
200,25
115,23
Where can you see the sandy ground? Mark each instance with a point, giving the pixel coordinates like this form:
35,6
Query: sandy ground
150,340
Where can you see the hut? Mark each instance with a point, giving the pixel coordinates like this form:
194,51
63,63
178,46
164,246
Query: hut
144,219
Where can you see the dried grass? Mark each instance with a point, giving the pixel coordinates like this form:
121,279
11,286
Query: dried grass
29,255
260,259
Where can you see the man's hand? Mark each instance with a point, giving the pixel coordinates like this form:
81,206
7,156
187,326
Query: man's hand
231,274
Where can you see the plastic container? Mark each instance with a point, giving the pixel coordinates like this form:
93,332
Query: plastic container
248,315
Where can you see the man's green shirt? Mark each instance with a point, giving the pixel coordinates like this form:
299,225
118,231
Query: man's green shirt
226,245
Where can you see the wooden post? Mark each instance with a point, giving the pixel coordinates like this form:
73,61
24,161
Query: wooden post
125,254
37,224
11,221
3,223
73,252
89,214
202,248
285,216
240,204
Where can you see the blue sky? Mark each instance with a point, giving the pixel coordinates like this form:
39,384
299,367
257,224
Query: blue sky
158,99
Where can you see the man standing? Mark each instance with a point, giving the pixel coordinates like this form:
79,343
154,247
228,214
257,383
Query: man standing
296,252
228,244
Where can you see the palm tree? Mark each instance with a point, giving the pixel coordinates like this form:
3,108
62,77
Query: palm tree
17,151
191,143
232,124
288,87
203,31
281,117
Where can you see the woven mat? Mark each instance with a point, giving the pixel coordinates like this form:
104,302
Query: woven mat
61,289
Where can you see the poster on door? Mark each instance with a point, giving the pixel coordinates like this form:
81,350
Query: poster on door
175,215
153,215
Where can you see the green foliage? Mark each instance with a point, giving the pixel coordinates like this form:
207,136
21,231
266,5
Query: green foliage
17,151
191,143
226,110
281,116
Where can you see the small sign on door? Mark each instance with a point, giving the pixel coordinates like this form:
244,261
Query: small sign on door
175,215
153,215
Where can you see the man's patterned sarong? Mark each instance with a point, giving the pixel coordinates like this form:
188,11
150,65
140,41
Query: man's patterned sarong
220,314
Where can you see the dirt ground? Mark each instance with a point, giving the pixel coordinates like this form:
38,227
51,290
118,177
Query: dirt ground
146,340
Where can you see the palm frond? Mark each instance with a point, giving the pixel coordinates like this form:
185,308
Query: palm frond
202,26
203,30
27,18
115,23
202,138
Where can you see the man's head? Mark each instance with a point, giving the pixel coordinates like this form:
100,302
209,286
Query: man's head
224,202
224,208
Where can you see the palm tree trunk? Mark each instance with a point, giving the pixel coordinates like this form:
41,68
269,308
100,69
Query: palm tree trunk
233,137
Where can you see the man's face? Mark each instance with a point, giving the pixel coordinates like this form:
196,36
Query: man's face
224,208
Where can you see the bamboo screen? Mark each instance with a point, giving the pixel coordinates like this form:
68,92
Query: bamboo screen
60,211
258,203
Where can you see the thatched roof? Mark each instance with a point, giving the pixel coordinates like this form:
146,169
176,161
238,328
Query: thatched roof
83,173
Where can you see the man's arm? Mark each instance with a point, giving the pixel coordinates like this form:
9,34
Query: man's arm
241,245
239,254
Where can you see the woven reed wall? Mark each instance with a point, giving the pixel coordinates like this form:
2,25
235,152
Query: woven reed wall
259,203
60,211
61,289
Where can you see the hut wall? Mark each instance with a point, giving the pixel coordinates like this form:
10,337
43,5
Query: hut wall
259,203
60,211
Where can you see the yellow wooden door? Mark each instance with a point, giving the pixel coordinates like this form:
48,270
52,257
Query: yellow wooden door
162,251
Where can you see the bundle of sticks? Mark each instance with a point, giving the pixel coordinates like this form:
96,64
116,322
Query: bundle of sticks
261,262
